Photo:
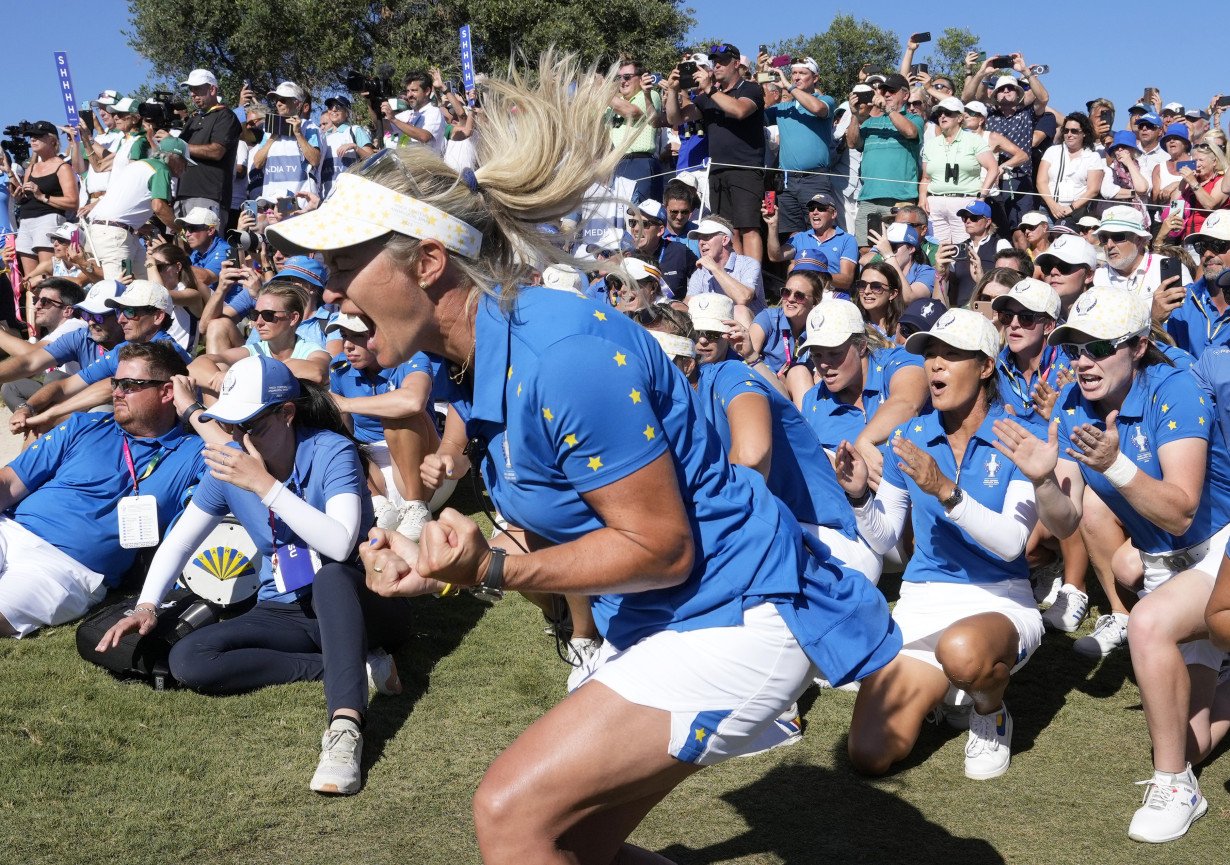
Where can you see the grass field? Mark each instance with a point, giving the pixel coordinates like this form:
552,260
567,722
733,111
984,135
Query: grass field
100,771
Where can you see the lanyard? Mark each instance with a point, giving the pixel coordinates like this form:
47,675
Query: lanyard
294,488
132,469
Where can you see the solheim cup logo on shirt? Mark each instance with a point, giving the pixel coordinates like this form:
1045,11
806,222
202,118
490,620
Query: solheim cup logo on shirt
992,467
1142,445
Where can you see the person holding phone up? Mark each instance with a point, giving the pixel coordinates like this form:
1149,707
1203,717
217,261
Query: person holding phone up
288,154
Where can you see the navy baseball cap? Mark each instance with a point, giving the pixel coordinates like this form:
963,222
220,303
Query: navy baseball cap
807,259
922,313
823,198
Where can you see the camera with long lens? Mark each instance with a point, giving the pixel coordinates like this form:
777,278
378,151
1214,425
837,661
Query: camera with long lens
378,86
16,145
160,110
248,241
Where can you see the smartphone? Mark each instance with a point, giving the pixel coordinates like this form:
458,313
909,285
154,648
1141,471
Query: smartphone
781,60
1001,62
251,207
287,205
1150,95
983,308
87,116
863,98
1179,206
1040,68
1170,267
875,222
770,202
126,267
687,74
1224,102
919,67
765,78
982,57
1186,163
398,104
920,38
276,126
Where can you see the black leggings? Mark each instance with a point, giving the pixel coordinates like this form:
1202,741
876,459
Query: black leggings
324,636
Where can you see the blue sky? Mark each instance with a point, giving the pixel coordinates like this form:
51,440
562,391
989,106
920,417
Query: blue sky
1093,49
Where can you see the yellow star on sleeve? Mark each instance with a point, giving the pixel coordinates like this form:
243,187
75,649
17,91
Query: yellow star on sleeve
917,427
595,463
546,412
1071,411
1172,425
518,388
1165,408
649,433
700,734
510,373
601,316
635,396
621,359
570,440
1202,400
897,434
1200,420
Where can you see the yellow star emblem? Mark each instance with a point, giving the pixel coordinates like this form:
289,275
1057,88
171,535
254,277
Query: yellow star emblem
510,373
918,427
570,440
546,412
649,433
700,734
1071,411
897,434
879,368
1200,420
518,388
635,396
621,359
595,463
1202,400
1172,425
1165,408
601,316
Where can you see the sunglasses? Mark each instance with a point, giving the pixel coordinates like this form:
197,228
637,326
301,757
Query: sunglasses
1146,126
1063,268
679,213
132,385
604,254
1118,237
1073,131
270,315
812,207
871,284
709,336
1025,318
914,102
797,296
940,85
249,426
95,317
906,330
135,311
1217,247
47,301
1098,349
627,77
969,217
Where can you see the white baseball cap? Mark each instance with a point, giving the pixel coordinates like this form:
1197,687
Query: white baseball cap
349,322
106,99
1069,249
1123,218
951,104
639,270
197,77
1033,294
562,277
100,293
1103,312
831,322
962,329
1173,107
708,227
198,216
807,63
142,292
710,311
976,107
287,90
252,385
1216,227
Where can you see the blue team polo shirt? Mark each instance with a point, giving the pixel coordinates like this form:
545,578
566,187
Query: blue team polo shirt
779,340
943,551
211,257
1212,375
1016,387
840,247
833,420
799,472
923,273
77,475
347,381
690,243
326,465
806,139
106,365
1165,404
76,345
574,397
1196,324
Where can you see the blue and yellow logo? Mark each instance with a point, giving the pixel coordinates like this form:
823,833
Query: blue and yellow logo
224,563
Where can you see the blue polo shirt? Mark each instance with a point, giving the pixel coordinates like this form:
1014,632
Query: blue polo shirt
347,381
211,257
575,397
840,247
834,421
799,472
240,299
806,139
1212,375
943,551
923,273
693,245
76,345
677,264
1016,387
743,268
326,465
1196,325
780,342
77,474
106,365
1165,404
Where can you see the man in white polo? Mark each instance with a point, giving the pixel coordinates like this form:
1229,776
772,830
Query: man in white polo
1129,263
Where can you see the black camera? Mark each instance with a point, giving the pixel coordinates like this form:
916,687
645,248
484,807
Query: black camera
378,86
16,145
161,110
687,74
248,241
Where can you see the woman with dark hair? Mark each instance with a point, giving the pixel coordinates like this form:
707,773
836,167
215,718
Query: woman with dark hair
966,611
716,609
1139,432
289,471
169,266
776,330
878,293
1070,174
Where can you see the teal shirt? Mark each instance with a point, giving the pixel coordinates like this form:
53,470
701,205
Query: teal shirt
890,160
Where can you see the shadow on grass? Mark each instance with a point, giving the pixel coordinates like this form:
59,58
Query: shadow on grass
806,814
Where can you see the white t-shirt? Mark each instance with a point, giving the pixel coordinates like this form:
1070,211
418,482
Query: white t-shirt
1144,278
462,154
130,193
96,181
428,117
1151,160
1075,175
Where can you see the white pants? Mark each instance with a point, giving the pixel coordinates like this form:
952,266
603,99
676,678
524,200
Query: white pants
39,585
383,460
946,226
112,245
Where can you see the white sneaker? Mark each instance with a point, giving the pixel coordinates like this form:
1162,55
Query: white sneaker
988,751
1109,633
414,515
583,656
382,673
825,685
341,754
1068,611
388,515
1047,580
1172,804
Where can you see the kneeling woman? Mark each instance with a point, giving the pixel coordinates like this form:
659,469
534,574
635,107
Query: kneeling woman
966,613
290,473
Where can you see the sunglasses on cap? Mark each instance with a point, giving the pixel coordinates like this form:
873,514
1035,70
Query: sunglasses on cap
132,385
1213,245
723,48
1098,349
1025,318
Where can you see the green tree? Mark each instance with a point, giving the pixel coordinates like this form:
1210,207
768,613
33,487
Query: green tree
842,49
314,42
948,54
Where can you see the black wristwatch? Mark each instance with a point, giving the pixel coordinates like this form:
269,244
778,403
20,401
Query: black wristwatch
185,417
492,584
